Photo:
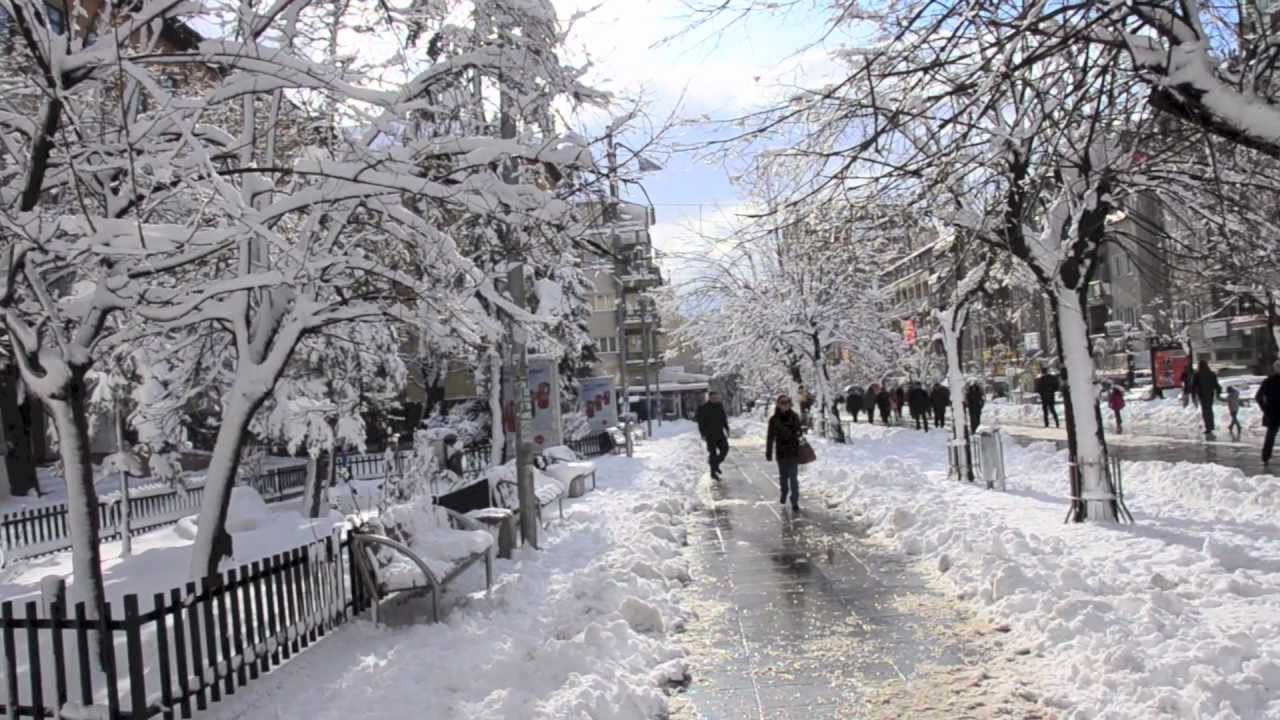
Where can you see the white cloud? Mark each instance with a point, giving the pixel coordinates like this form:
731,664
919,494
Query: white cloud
721,73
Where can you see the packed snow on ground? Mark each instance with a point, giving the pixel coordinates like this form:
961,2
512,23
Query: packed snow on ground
579,629
1176,616
1165,417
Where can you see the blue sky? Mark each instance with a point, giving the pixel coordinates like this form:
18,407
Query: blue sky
712,72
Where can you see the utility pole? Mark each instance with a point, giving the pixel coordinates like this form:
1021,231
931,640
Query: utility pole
524,413
612,215
519,352
648,361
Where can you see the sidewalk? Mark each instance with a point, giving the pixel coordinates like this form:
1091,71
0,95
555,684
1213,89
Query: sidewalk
800,617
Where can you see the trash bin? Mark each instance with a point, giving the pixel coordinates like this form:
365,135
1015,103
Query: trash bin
989,454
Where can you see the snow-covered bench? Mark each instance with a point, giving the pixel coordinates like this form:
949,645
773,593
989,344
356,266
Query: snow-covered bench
418,548
563,464
506,491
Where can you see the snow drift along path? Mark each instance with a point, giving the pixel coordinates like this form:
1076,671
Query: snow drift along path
1178,616
580,629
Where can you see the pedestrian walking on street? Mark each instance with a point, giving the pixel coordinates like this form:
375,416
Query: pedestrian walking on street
918,403
806,405
853,404
713,425
1188,386
884,403
783,441
1268,400
1233,407
1206,388
1116,403
974,399
941,398
899,399
1047,387
869,401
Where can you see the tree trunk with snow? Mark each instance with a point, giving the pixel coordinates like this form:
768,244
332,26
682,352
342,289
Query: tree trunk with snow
952,321
1097,496
71,419
212,542
496,436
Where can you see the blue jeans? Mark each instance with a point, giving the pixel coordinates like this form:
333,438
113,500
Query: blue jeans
789,480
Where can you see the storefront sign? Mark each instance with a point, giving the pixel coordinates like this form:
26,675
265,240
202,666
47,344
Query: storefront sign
1215,329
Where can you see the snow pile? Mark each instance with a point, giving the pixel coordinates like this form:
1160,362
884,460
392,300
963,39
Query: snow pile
579,629
248,511
1177,616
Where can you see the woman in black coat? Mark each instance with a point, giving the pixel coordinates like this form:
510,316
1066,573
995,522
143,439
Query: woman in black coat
783,440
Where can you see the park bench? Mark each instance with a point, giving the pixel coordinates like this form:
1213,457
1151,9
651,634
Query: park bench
415,549
563,464
506,492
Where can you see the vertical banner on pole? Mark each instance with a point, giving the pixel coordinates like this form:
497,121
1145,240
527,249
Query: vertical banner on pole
595,400
544,396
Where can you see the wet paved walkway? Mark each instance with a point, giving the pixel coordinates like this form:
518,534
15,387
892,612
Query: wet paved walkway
1136,448
801,618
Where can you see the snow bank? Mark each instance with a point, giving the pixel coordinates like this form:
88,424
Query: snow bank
579,629
1177,616
1164,417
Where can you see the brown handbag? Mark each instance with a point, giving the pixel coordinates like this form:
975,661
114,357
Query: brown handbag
806,454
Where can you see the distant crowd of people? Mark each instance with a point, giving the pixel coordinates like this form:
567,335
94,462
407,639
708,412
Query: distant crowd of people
925,407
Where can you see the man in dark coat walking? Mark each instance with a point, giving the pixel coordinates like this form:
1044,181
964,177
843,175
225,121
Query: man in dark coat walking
853,403
713,425
869,401
1047,387
918,404
941,398
1268,399
974,399
1206,388
882,402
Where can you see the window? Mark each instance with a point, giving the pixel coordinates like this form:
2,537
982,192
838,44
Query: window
603,302
57,18
606,344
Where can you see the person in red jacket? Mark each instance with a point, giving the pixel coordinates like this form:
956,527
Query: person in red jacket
1116,403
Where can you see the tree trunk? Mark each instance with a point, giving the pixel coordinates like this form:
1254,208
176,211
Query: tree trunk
19,464
71,420
212,541
496,436
952,321
1098,497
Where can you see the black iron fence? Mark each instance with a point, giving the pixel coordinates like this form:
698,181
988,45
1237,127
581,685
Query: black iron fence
31,532
42,530
195,645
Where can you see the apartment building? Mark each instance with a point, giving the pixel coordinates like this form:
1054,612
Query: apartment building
625,325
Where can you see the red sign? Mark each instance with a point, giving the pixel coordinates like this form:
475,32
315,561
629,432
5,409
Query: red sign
1167,367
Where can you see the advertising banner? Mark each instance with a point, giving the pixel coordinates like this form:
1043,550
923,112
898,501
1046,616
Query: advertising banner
595,400
1167,366
544,392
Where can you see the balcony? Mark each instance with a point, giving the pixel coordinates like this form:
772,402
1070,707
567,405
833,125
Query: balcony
642,275
1099,293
